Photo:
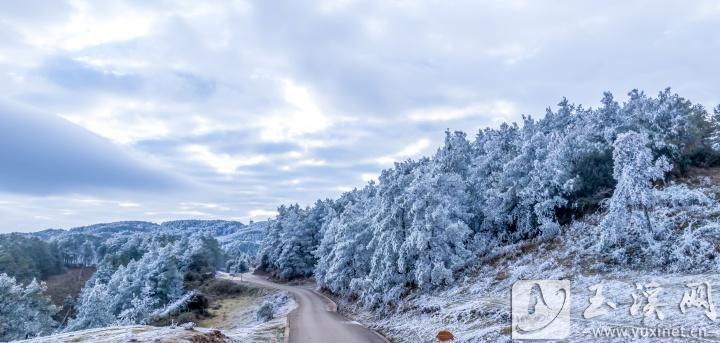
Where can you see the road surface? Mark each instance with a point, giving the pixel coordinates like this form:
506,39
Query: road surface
315,319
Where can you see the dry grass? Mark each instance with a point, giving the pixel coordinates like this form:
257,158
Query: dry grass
60,286
695,177
214,336
68,283
231,313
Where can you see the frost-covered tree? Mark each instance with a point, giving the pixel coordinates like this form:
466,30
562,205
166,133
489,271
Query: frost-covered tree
93,308
493,150
199,253
25,310
295,258
238,265
343,254
676,127
271,244
388,274
25,258
627,225
132,292
437,238
715,124
292,238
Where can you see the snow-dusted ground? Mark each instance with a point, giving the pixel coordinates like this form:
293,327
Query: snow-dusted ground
136,333
478,309
247,328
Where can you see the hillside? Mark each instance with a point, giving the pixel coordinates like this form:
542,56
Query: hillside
138,333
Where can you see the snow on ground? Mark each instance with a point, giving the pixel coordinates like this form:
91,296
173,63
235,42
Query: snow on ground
245,326
137,333
478,309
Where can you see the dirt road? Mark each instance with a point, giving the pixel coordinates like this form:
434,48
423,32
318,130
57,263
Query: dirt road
315,319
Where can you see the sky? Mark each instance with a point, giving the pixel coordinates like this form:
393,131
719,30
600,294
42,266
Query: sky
162,110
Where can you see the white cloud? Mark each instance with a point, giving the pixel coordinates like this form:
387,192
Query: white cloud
343,189
303,116
311,162
193,213
301,163
121,120
202,205
500,108
329,6
412,150
367,177
258,214
87,27
221,163
111,63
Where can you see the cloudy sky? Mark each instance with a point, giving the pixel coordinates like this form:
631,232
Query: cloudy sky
158,110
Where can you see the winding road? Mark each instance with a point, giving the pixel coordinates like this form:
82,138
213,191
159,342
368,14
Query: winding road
316,320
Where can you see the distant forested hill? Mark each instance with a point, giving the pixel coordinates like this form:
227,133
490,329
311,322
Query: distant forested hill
44,253
41,254
26,258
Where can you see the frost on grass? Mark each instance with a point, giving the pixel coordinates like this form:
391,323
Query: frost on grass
271,306
138,333
267,322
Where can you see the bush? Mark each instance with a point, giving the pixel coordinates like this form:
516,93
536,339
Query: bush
219,287
265,311
683,236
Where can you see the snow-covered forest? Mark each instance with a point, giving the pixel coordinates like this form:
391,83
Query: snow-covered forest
145,271
426,221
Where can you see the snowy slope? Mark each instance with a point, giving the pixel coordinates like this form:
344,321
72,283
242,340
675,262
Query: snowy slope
137,333
477,308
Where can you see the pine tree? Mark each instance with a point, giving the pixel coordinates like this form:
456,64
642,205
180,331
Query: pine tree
343,254
627,227
435,247
25,311
388,272
93,309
